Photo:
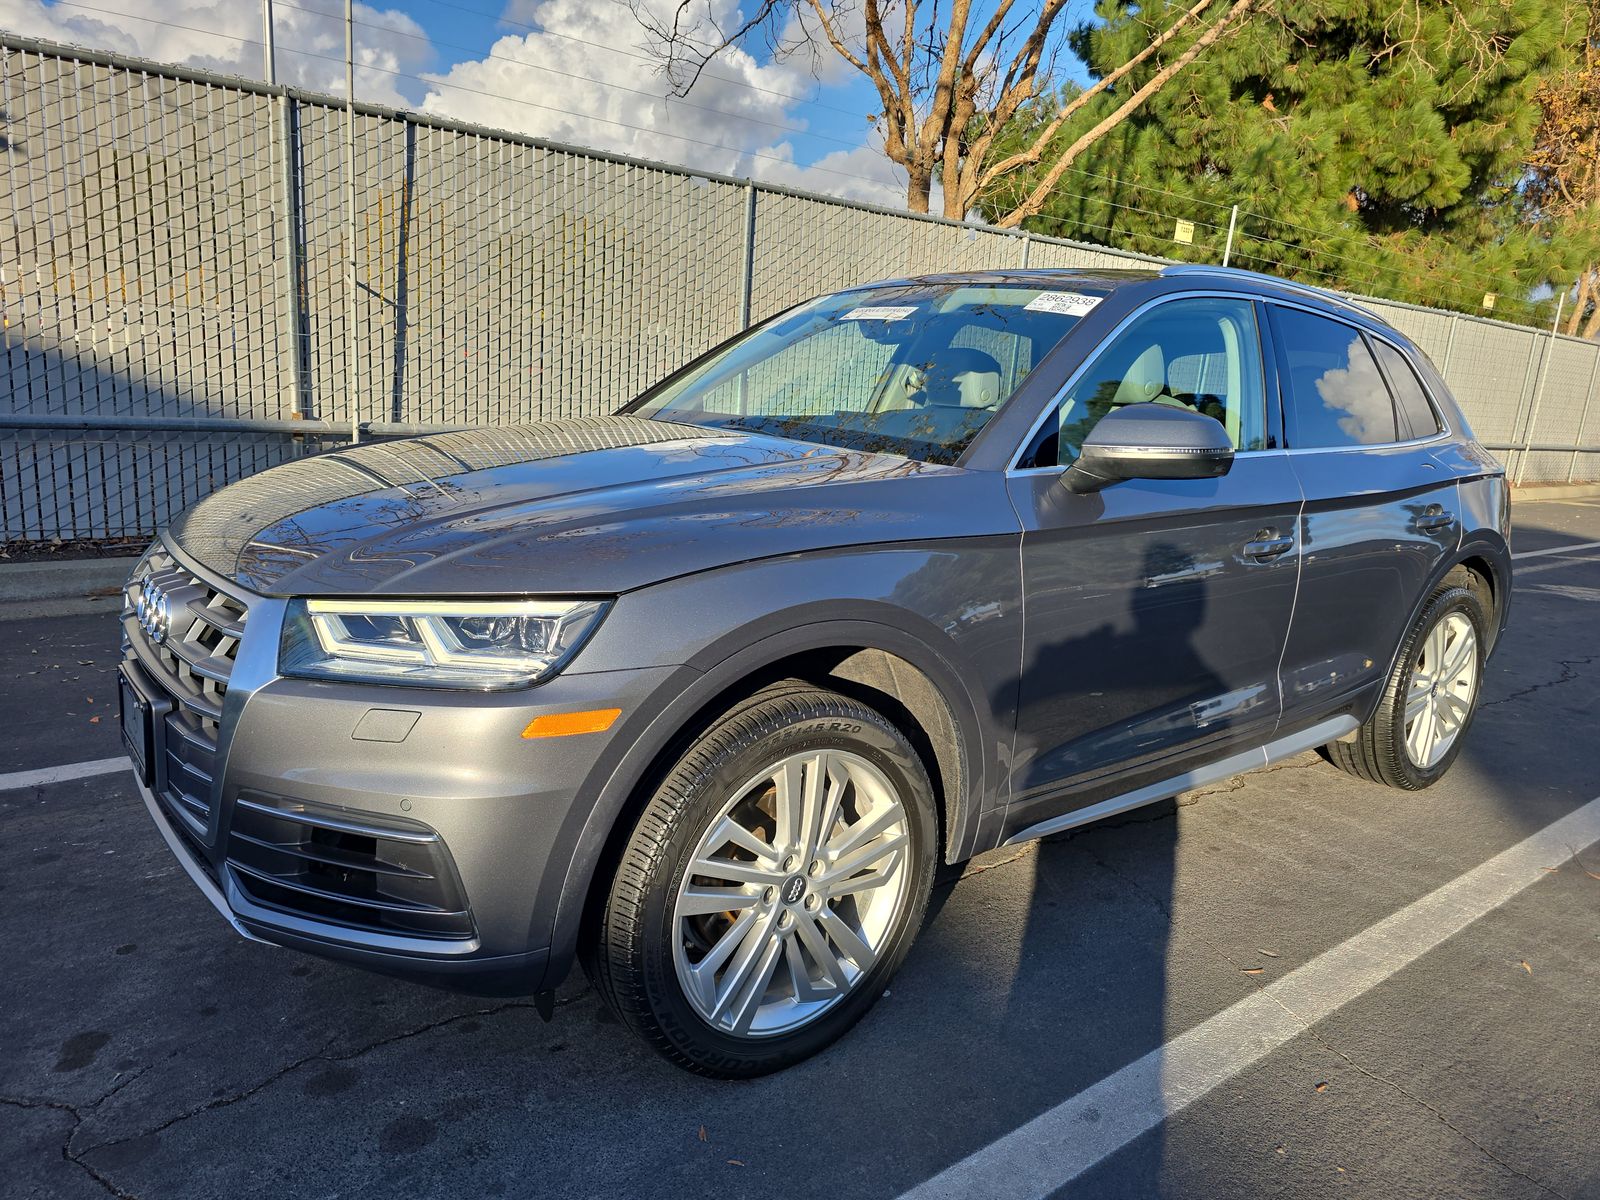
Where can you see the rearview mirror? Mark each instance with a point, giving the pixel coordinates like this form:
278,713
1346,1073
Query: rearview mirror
1150,441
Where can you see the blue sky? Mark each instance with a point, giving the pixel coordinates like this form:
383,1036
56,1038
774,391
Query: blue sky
466,28
570,70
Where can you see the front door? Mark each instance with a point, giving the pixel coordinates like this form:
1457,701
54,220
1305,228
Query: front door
1155,612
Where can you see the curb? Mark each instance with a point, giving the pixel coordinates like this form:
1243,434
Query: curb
27,584
1554,491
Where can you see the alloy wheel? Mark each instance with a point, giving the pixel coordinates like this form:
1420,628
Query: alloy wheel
792,893
1440,692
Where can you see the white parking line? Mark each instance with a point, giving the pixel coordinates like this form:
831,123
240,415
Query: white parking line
82,770
1060,1144
1522,573
1555,550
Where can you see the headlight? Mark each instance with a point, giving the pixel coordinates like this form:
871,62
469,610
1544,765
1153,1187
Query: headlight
435,643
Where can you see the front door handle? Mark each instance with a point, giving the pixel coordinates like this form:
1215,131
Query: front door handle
1434,520
1268,546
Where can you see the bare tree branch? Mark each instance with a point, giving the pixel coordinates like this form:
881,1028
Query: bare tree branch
946,91
1036,148
1035,199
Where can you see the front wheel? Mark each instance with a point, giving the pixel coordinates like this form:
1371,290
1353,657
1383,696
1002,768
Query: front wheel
1429,699
771,887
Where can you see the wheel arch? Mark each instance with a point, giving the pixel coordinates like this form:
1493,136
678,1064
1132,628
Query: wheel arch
1487,560
886,666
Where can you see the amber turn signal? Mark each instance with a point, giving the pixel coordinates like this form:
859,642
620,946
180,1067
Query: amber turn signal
596,720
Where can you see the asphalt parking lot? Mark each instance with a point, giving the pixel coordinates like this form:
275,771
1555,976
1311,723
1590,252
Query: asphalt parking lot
149,1052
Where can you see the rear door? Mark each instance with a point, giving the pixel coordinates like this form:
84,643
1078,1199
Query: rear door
1155,612
1380,511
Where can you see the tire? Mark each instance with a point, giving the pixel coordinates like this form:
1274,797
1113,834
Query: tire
668,953
1381,750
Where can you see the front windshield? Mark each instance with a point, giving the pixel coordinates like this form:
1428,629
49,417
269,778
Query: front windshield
913,369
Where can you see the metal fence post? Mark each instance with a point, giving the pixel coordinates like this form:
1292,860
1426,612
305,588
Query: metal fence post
1523,395
269,57
1233,221
292,182
1449,344
351,376
1583,418
1538,394
748,274
1027,248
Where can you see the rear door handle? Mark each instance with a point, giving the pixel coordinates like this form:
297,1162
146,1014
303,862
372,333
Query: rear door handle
1266,548
1433,522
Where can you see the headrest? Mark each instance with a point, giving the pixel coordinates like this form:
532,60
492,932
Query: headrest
1145,379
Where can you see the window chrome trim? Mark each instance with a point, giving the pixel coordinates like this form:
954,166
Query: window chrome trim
1445,433
1116,331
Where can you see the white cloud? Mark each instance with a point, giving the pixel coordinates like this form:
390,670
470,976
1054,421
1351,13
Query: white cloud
585,78
225,36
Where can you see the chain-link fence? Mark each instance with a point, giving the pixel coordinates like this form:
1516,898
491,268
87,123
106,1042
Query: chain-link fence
179,272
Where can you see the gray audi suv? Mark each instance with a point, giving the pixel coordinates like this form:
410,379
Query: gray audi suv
703,693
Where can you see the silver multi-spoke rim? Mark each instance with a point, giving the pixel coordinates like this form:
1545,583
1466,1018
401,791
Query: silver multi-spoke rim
1444,679
790,896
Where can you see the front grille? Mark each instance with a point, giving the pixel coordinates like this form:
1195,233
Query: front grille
188,661
358,870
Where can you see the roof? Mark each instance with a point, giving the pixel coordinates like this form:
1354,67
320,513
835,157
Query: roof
1114,277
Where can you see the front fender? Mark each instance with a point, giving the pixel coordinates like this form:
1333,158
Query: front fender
727,626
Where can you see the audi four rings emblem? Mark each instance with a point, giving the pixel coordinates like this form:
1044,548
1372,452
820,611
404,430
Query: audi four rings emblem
154,612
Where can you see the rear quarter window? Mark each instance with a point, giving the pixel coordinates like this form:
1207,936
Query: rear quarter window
1409,396
1334,394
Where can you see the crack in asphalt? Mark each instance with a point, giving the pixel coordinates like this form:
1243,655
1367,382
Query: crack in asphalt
1569,672
1437,1112
77,1113
323,1055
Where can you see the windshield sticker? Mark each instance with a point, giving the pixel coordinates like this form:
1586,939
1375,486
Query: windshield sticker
880,312
1072,304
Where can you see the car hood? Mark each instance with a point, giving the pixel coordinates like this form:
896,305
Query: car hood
585,506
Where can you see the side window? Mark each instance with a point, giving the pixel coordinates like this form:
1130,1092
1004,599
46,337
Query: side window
1203,354
1333,393
1408,393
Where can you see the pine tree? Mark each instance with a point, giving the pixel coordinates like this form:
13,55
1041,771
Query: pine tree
1373,145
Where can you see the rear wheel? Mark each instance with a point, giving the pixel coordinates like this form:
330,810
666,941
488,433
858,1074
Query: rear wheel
1430,698
771,887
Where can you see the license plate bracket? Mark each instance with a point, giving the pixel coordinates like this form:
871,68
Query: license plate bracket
140,715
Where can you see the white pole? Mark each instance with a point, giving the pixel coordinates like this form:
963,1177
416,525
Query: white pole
1233,220
268,54
351,390
1538,395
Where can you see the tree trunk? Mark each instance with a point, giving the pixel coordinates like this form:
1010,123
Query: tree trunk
919,184
1585,292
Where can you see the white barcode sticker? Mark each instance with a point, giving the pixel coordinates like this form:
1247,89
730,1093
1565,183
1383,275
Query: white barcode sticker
1072,304
880,312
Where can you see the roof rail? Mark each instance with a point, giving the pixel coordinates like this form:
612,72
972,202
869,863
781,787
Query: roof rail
1305,288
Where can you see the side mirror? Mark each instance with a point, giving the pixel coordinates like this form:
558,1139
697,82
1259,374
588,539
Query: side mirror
1150,441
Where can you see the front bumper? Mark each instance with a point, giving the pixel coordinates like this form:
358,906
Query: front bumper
498,815
520,973
407,830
